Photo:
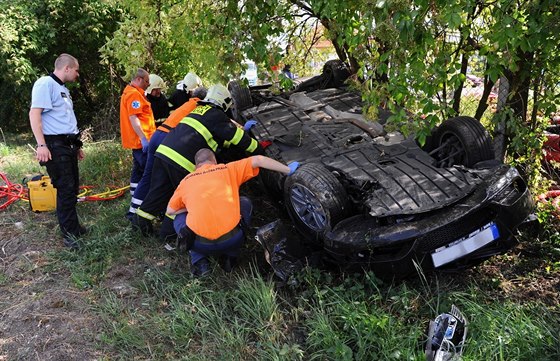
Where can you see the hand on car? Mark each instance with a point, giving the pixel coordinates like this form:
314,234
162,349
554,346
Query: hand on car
249,124
293,166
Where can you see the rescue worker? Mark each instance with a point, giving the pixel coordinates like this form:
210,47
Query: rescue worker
159,135
207,126
158,101
184,90
137,124
210,214
59,147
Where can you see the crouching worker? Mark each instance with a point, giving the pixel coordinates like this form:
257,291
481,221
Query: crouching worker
210,214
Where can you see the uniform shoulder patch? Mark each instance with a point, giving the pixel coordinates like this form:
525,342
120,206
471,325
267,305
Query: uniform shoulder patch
135,104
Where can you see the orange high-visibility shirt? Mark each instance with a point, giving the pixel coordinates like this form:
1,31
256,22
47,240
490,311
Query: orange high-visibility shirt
211,196
134,102
178,115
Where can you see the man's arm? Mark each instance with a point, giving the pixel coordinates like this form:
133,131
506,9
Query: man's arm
135,122
43,154
260,161
172,211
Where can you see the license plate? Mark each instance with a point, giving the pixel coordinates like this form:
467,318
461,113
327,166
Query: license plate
465,245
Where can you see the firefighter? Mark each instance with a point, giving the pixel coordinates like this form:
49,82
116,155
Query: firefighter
184,90
211,193
157,99
207,126
160,134
137,124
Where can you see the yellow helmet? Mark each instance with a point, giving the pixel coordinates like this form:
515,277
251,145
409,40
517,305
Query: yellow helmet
156,82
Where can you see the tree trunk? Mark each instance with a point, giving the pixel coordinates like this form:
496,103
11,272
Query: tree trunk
483,103
459,90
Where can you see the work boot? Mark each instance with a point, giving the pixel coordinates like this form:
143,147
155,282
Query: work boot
71,243
82,231
228,262
201,268
142,224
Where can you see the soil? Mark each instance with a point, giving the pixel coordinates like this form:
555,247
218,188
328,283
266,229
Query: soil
44,316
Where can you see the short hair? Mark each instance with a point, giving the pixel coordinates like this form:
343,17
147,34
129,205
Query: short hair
204,155
140,73
200,92
65,60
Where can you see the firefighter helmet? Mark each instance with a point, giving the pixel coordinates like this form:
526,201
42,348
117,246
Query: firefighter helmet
191,82
156,82
219,95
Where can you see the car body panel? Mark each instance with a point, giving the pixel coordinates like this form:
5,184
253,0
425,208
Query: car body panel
404,207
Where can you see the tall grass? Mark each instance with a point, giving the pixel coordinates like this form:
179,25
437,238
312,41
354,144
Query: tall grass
151,308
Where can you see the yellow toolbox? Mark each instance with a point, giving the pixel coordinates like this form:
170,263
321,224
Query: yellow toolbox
42,194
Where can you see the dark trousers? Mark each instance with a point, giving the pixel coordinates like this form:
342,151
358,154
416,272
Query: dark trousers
144,184
230,246
138,163
63,171
165,179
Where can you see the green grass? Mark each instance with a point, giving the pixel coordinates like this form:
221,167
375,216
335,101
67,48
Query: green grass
151,308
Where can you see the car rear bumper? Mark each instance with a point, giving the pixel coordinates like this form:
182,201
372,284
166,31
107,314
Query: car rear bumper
393,249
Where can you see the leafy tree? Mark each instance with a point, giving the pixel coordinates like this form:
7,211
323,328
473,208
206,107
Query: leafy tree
34,34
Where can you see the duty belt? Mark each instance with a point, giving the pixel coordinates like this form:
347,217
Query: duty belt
222,238
64,139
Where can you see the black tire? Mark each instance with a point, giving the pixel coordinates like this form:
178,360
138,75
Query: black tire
241,96
462,141
335,73
315,200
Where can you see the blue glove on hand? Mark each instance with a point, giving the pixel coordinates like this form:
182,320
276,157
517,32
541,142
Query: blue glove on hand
293,166
249,124
145,144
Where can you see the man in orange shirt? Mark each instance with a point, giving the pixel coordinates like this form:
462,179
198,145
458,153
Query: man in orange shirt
210,214
137,124
161,132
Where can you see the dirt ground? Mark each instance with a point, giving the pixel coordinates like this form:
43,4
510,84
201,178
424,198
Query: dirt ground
43,316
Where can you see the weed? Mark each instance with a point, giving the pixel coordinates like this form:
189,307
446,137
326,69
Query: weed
151,308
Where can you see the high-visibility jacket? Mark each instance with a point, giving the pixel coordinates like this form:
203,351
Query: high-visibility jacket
134,102
207,126
178,115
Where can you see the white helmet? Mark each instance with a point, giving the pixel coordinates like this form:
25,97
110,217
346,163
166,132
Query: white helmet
219,95
190,82
156,82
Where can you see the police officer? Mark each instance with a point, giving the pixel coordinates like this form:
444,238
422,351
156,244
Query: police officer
55,128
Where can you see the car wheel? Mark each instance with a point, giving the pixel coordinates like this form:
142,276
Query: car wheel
315,200
335,73
462,141
241,96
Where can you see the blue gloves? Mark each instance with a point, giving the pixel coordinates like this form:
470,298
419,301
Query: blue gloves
145,144
293,166
249,124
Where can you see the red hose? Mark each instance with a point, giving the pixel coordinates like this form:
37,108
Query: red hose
10,192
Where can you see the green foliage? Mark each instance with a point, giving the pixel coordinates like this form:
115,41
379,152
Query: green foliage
152,308
34,33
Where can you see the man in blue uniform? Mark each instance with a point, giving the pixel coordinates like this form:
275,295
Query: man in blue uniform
59,147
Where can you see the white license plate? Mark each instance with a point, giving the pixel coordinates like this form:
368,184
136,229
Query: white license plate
465,245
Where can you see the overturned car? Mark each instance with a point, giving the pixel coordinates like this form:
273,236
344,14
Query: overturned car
379,200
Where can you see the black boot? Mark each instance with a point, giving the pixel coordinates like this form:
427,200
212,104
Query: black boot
142,224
